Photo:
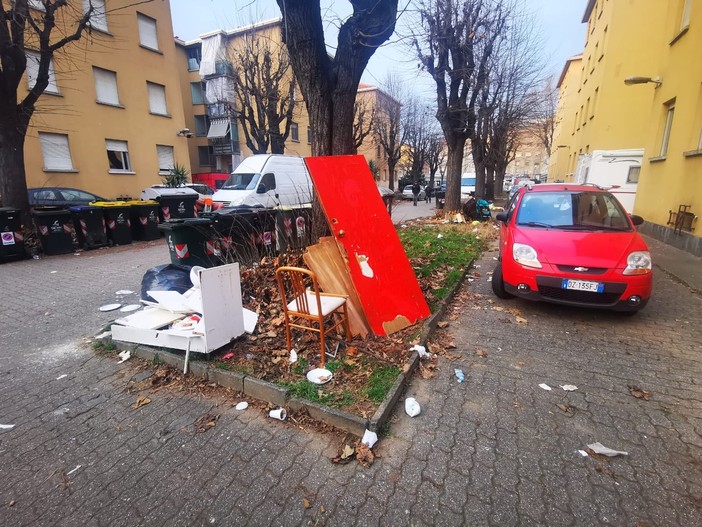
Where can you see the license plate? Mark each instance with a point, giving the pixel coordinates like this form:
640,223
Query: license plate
582,285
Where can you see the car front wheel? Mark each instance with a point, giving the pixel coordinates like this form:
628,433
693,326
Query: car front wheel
498,283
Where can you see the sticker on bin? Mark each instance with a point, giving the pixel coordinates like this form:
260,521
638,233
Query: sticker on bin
166,212
300,224
44,230
67,228
8,238
83,227
19,236
287,222
211,248
181,250
143,220
267,238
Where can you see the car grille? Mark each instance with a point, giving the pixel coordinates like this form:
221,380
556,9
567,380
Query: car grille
590,270
581,297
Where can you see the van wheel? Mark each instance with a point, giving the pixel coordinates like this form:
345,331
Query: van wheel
498,283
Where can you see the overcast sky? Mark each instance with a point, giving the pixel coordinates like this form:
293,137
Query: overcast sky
557,21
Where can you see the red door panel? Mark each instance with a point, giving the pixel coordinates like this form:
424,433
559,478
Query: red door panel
382,274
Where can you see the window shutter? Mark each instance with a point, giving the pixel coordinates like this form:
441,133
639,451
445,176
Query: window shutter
116,146
54,148
165,157
98,18
157,98
147,31
106,86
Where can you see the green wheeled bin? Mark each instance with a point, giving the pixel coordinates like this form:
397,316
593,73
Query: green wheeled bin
175,203
89,223
12,247
55,229
119,226
192,241
143,214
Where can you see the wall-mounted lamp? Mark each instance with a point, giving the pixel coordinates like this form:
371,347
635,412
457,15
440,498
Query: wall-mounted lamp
643,80
185,132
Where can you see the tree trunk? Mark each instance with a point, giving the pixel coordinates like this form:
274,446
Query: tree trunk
454,163
13,183
277,144
489,182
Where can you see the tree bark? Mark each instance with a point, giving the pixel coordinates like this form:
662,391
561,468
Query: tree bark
13,185
454,161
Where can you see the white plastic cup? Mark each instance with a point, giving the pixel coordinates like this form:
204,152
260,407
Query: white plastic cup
278,413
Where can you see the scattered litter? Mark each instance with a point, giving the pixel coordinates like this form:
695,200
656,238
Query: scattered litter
130,307
104,335
243,405
345,455
6,427
569,387
639,393
72,471
439,236
205,422
421,351
110,307
545,386
403,226
279,413
54,272
293,356
369,438
582,453
228,355
125,356
599,448
124,292
520,320
250,320
61,377
459,375
141,401
412,407
319,376
12,503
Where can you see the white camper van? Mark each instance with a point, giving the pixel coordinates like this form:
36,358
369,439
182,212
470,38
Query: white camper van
612,168
267,181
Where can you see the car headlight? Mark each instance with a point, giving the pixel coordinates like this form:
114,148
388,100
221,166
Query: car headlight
638,262
525,255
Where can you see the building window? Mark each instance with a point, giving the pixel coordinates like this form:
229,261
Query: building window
118,156
197,92
165,158
294,133
106,86
194,58
202,124
98,18
54,149
309,135
157,98
633,175
148,37
33,72
594,102
205,155
670,112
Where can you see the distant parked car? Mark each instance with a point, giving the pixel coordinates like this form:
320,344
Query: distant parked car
407,193
574,245
202,189
60,197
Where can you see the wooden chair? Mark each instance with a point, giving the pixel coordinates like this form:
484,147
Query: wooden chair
309,309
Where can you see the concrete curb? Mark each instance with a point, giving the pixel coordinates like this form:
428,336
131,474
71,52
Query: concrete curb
274,394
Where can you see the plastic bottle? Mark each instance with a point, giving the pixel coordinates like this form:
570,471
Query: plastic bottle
459,375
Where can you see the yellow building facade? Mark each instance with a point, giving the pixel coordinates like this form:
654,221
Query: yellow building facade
638,88
109,120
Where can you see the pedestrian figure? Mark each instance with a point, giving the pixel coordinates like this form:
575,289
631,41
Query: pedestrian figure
427,194
415,192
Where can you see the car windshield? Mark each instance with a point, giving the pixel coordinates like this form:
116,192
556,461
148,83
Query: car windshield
241,182
572,211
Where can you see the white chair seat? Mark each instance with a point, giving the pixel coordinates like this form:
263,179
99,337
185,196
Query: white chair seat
329,304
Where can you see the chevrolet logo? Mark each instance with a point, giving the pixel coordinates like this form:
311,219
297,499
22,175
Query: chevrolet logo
581,269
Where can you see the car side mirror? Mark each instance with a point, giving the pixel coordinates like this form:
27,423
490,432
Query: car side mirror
635,219
501,216
261,189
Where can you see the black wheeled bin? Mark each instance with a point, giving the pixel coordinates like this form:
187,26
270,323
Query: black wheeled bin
12,247
119,227
55,229
192,241
144,217
89,222
174,202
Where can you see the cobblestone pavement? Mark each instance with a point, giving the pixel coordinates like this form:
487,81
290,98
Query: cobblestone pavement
494,450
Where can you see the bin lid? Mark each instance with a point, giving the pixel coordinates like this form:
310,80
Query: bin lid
110,204
9,210
141,202
160,192
79,208
50,210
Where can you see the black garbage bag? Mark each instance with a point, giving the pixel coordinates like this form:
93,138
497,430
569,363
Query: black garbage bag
166,277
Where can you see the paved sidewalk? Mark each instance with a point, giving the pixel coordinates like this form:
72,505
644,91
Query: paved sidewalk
494,450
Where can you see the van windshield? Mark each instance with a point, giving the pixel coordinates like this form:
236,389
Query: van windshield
241,182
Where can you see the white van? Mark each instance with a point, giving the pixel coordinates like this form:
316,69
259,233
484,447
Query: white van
617,170
268,181
467,185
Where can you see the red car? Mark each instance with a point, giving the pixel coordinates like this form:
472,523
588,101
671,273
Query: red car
573,245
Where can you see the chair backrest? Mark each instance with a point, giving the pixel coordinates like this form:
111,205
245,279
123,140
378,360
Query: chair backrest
293,282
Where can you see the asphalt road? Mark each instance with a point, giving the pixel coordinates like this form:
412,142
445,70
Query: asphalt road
494,450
